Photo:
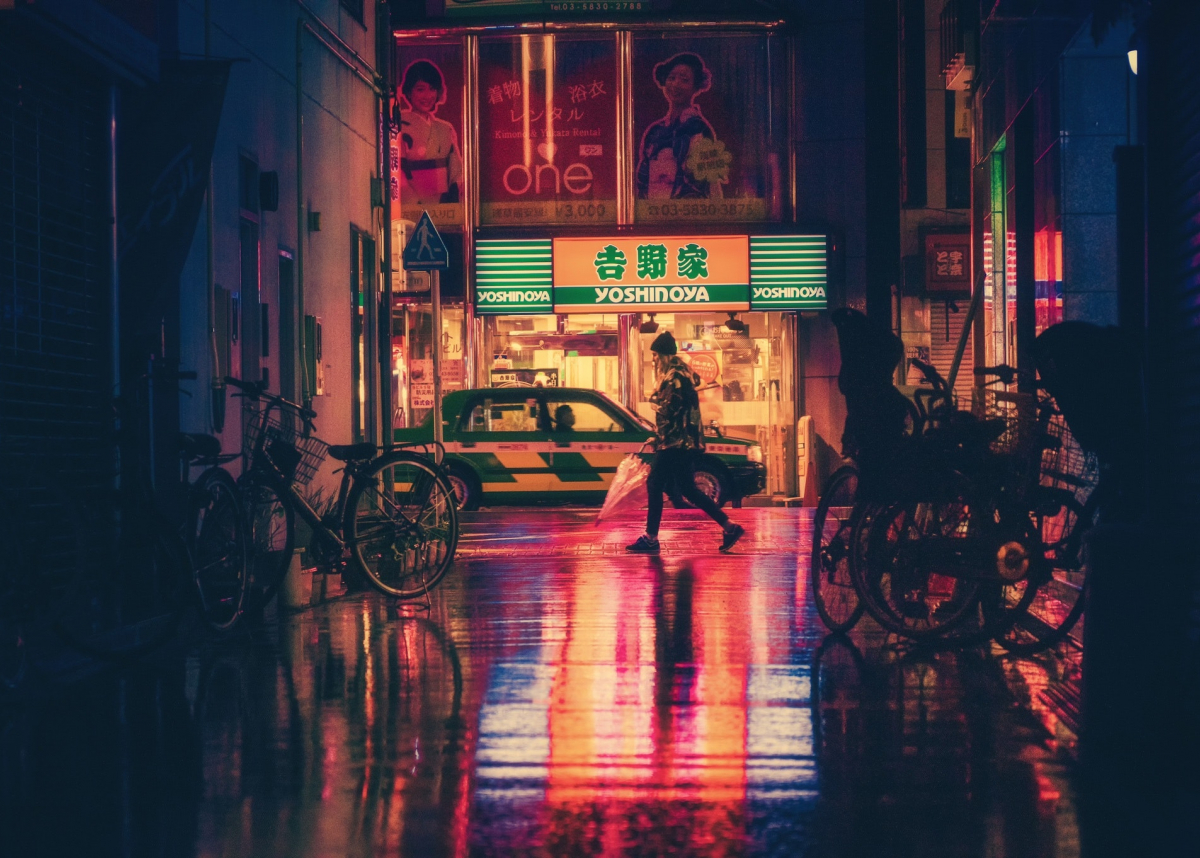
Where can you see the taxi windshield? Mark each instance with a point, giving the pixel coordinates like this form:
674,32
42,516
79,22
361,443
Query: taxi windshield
638,419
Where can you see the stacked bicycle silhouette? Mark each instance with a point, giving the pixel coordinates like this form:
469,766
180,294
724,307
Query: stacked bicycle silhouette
948,525
115,573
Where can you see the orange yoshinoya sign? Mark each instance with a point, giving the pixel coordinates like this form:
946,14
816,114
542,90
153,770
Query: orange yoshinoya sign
652,273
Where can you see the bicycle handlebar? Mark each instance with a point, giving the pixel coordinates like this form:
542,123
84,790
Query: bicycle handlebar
930,372
256,389
1003,372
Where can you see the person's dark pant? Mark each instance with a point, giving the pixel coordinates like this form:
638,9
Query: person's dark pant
674,471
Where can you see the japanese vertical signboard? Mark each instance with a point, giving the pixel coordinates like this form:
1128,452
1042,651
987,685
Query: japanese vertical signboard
708,131
947,262
426,133
548,130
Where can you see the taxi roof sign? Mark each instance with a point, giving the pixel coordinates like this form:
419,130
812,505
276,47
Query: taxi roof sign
425,250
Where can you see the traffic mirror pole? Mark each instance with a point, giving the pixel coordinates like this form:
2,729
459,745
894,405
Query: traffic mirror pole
435,289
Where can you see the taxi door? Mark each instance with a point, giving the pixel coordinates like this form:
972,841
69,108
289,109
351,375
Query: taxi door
589,443
504,436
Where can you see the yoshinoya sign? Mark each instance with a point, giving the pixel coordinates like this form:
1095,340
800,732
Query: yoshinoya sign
788,272
651,274
513,277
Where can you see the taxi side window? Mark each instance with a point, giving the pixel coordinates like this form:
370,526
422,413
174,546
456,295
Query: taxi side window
489,416
582,417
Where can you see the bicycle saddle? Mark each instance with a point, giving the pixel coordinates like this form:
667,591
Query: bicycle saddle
352,452
195,446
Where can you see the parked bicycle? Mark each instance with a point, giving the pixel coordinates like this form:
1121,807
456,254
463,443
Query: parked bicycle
971,536
154,551
979,534
393,516
834,522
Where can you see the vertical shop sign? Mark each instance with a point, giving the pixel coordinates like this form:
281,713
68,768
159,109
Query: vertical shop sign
426,133
548,130
948,262
707,133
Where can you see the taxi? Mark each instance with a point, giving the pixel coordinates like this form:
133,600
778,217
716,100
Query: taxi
523,445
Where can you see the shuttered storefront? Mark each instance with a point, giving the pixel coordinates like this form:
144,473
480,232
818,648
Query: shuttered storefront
54,258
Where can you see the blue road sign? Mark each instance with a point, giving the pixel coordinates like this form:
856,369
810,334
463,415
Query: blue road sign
425,250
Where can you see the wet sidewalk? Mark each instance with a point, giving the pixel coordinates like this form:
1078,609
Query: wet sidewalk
557,698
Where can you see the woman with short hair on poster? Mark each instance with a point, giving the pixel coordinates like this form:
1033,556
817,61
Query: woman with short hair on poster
430,164
680,156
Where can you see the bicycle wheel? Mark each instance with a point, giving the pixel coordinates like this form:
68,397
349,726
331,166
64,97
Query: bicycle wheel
912,592
833,590
1058,603
402,525
217,538
271,529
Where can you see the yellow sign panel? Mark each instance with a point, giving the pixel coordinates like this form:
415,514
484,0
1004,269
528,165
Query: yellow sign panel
674,260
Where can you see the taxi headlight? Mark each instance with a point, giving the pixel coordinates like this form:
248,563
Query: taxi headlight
754,453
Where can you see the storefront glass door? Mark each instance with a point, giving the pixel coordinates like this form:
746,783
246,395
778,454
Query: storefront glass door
747,388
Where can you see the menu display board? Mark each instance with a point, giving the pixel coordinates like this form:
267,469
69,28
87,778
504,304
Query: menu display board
548,130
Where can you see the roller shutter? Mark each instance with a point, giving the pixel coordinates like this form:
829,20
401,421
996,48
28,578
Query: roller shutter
54,256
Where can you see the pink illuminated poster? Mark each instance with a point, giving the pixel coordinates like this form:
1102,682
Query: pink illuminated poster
547,130
426,134
708,134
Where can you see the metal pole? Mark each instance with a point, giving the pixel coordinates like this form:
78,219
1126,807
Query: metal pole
384,326
115,245
306,383
435,288
972,312
216,384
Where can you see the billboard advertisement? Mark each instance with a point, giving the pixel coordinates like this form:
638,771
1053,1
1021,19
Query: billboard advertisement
548,130
426,134
708,135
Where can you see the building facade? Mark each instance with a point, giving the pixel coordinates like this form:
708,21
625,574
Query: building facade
600,180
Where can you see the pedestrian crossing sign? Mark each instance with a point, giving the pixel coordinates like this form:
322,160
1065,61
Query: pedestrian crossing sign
425,250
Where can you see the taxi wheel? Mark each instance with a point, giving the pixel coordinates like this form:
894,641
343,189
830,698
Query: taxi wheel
466,487
712,484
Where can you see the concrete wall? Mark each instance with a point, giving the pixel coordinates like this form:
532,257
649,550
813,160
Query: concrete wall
259,120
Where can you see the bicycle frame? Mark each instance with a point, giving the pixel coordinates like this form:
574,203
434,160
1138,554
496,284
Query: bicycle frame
260,463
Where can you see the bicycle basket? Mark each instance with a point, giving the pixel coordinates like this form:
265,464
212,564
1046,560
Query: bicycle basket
295,456
1065,465
1019,412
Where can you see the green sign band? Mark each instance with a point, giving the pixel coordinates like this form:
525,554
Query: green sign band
788,272
513,276
704,296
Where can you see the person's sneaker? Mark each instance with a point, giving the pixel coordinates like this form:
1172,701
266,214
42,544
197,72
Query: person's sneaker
644,545
732,535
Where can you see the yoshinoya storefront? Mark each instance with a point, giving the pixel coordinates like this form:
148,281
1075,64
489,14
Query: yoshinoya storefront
594,189
581,311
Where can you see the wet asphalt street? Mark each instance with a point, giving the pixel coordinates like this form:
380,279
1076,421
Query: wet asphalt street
557,698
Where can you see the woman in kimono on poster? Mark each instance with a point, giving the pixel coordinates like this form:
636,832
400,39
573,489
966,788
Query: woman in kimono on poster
680,156
430,163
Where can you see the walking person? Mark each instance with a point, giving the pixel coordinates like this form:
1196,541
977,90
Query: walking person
678,442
